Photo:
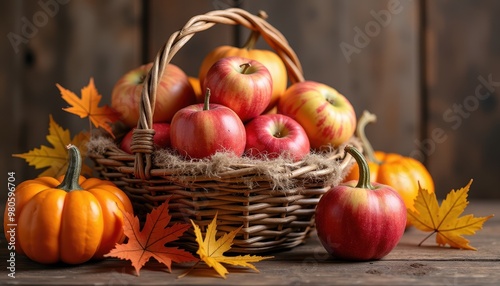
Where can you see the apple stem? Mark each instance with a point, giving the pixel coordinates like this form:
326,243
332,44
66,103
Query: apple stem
245,67
366,118
364,181
206,103
141,80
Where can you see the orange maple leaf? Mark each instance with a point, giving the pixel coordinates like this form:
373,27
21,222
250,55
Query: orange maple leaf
444,220
150,241
88,106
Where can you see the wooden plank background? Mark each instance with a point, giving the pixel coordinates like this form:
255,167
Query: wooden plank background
422,67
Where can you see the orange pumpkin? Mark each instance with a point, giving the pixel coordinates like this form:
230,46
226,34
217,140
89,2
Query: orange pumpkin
402,173
268,58
195,83
69,219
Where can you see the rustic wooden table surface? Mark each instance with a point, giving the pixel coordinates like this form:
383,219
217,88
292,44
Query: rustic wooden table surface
308,264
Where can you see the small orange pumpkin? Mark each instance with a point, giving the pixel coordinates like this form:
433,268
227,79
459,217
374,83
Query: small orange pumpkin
195,83
402,173
268,58
70,219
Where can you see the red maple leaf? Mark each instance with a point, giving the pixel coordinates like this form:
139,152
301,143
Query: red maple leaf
150,241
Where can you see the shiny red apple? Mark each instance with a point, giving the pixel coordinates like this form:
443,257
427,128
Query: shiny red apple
242,84
161,139
201,130
360,220
274,135
326,115
174,92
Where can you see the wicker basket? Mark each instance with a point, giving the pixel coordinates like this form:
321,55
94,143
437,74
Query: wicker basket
245,193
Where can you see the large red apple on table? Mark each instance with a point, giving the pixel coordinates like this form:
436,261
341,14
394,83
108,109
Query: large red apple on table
174,92
201,130
273,135
161,139
360,220
242,84
326,115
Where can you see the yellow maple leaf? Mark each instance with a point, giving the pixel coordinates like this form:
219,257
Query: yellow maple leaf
211,250
56,157
88,106
444,220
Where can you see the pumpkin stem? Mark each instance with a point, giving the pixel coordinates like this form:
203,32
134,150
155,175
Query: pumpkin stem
252,39
366,118
254,36
70,181
364,181
206,103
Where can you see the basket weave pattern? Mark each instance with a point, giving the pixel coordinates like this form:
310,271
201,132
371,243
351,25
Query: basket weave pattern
243,193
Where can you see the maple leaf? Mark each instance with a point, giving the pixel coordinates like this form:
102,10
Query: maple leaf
88,106
56,157
444,220
150,241
211,250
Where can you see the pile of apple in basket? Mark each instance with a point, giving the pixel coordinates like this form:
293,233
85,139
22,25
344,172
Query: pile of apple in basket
240,104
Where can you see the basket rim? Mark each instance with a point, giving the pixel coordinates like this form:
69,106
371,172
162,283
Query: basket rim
282,173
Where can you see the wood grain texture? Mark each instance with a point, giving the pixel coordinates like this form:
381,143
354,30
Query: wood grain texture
463,57
10,91
308,264
67,43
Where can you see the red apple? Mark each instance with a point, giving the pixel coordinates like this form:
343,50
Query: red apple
242,84
161,139
326,115
272,135
201,130
174,92
360,220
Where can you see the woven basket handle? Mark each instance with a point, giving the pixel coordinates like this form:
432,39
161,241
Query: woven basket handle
142,140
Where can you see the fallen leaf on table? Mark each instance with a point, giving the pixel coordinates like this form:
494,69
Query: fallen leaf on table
444,220
56,157
88,106
211,250
150,241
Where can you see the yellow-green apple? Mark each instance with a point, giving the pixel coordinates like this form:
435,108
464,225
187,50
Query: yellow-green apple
360,220
242,84
201,130
326,115
274,135
161,139
267,57
174,92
